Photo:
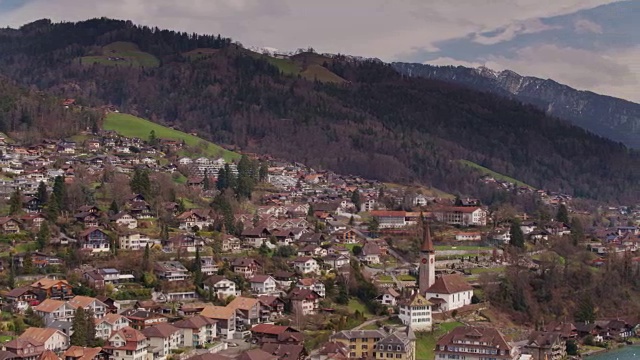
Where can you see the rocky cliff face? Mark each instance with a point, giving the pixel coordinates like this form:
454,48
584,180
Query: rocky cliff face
606,116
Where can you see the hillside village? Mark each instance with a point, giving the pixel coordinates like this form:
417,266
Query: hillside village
128,249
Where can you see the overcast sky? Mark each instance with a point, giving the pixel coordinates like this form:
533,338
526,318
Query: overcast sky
587,44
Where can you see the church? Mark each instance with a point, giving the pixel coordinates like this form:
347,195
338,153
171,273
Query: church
435,293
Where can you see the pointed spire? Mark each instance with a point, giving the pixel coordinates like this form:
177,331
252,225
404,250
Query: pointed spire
427,244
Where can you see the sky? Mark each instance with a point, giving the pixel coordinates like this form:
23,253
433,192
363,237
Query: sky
587,44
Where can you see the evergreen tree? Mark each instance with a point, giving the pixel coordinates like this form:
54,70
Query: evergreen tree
223,179
263,173
15,202
197,269
113,208
232,179
27,265
517,236
90,328
59,193
140,182
146,258
152,138
206,181
44,234
563,214
79,337
355,199
577,231
586,311
52,208
42,194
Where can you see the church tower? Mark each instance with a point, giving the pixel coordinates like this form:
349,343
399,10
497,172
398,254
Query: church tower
427,267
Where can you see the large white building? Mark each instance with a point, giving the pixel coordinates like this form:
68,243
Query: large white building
462,215
415,312
449,292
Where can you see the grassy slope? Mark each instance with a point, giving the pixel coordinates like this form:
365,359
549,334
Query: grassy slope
494,174
132,126
426,342
128,51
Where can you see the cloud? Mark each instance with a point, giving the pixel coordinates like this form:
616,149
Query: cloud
582,69
583,26
379,28
509,32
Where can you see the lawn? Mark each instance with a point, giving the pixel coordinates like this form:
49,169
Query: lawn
406,278
133,126
385,278
126,53
486,270
494,174
462,248
357,305
426,341
5,338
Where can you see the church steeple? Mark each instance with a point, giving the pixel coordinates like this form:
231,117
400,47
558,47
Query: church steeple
427,266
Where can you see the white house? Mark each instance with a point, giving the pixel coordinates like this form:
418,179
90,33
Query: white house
312,284
110,323
449,292
51,310
263,284
127,344
53,339
461,215
503,236
389,297
197,331
415,312
162,339
468,236
220,286
136,241
306,265
89,303
125,220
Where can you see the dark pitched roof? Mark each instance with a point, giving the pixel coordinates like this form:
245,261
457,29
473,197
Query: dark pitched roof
449,284
162,330
284,351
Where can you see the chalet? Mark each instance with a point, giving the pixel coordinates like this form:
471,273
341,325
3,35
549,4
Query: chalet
183,242
124,220
171,271
247,311
51,310
199,218
9,225
388,297
98,308
256,236
82,353
32,221
312,250
220,286
476,339
312,238
197,331
52,339
304,301
41,260
271,308
87,219
140,209
267,333
230,243
306,265
284,278
31,204
20,299
127,344
208,265
46,288
246,267
348,236
370,253
545,345
263,284
95,240
335,261
162,339
312,284
141,319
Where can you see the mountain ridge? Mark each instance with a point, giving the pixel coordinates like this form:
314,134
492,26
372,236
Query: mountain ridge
376,123
614,118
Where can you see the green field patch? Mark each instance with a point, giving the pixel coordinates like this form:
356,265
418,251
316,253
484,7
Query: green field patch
426,341
487,270
357,305
405,278
121,53
385,278
461,248
494,174
133,126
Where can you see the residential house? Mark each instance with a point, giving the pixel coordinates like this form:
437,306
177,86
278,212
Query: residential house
246,267
545,345
141,319
271,308
94,239
312,284
370,253
124,220
199,218
82,353
230,243
284,278
220,286
171,271
361,343
110,323
20,299
332,350
98,308
197,331
336,261
135,241
162,339
127,344
306,265
348,236
268,333
208,266
415,312
255,237
285,351
263,284
25,349
388,297
247,311
312,250
475,343
185,243
52,339
468,236
225,317
52,289
304,301
9,225
51,310
397,345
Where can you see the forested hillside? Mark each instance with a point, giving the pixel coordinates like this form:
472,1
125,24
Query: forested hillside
371,122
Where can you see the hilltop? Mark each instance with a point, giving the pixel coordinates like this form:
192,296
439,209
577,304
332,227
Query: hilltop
334,112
